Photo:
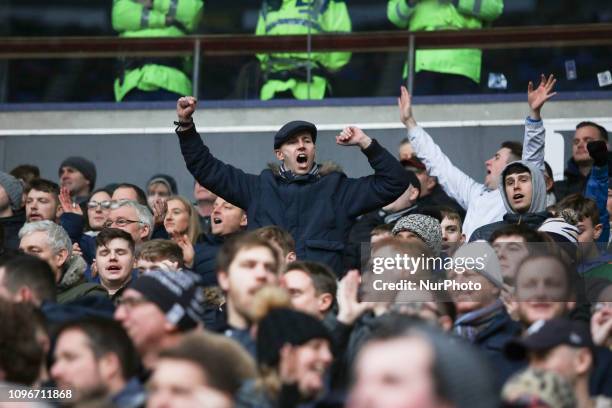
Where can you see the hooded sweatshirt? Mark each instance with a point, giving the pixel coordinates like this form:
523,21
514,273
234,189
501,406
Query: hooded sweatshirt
533,217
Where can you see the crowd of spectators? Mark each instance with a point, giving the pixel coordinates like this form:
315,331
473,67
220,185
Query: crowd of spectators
260,290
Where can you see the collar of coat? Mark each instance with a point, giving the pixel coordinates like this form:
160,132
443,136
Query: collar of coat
318,170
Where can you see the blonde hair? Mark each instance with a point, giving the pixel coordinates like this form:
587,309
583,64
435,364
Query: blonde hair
193,228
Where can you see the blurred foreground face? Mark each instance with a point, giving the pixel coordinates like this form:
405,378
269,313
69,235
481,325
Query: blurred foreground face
511,250
251,269
303,293
312,360
76,367
541,290
182,384
394,374
473,299
143,321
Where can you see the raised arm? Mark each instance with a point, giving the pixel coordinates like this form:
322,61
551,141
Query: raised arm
456,183
387,183
535,135
224,180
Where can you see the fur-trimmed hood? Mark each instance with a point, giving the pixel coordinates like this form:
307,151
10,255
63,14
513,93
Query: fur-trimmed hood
325,168
73,272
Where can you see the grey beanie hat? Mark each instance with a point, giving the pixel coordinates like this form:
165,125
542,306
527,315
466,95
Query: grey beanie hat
490,267
13,188
425,227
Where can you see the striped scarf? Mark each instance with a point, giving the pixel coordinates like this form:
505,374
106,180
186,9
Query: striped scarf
289,176
473,323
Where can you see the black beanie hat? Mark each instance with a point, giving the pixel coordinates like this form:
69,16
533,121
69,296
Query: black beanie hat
87,168
178,295
282,326
291,129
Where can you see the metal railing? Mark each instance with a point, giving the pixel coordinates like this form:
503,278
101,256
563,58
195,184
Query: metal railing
380,41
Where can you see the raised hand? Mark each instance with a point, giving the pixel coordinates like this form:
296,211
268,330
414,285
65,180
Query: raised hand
349,307
185,107
159,211
67,204
351,136
404,103
601,327
76,249
537,97
183,241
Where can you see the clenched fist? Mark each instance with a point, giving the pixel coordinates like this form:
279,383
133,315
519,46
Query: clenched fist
185,107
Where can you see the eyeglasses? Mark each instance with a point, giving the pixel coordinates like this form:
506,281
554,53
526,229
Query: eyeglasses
105,205
601,306
120,222
130,302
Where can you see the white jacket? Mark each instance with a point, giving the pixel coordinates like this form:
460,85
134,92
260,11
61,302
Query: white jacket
483,206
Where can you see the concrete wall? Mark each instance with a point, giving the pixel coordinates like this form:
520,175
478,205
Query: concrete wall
131,145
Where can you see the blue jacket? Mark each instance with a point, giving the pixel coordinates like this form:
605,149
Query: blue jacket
318,210
597,190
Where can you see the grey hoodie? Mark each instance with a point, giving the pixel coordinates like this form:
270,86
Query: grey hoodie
533,217
538,198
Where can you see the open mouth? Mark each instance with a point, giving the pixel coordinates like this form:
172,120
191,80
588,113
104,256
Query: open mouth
302,158
217,220
35,216
113,268
517,196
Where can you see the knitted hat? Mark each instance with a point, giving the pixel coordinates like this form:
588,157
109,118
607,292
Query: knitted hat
177,293
489,263
425,227
545,386
281,326
13,188
166,180
291,129
559,230
87,168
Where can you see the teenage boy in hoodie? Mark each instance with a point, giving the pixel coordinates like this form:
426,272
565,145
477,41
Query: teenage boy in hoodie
524,196
481,201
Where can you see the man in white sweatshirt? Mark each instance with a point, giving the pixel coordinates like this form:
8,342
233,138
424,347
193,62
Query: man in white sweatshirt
482,202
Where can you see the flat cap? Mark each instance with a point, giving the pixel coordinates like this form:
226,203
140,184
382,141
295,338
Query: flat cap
291,129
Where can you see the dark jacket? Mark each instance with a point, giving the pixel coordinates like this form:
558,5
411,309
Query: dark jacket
361,231
205,260
438,198
11,226
535,215
573,181
492,341
317,210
